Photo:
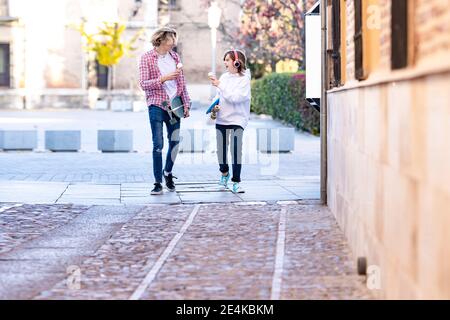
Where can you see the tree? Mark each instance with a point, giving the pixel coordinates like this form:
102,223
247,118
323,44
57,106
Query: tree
106,44
273,30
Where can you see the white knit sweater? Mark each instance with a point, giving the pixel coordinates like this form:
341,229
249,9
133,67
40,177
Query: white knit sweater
234,92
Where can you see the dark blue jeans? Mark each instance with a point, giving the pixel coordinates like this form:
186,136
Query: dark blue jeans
225,135
157,117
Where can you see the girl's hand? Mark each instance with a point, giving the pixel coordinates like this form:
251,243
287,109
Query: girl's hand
186,113
213,79
215,82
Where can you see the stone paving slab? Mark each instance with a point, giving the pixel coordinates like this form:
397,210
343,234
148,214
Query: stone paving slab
204,197
94,190
139,193
306,194
152,200
31,192
89,201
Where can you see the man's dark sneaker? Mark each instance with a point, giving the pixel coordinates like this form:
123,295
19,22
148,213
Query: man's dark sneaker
158,189
169,182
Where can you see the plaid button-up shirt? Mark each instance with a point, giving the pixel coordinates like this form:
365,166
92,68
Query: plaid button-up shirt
150,81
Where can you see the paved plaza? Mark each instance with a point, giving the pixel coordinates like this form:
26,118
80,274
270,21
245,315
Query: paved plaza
92,177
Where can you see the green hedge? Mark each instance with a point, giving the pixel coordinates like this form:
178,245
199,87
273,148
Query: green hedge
282,95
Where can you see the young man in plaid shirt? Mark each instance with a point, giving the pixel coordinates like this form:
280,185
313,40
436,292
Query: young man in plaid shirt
162,79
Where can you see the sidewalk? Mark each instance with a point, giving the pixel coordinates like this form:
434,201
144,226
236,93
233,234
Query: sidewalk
269,191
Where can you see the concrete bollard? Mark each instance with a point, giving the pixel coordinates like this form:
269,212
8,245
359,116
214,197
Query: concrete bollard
101,105
194,140
115,140
63,140
139,106
275,139
18,139
121,105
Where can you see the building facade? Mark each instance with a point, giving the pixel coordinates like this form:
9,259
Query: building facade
388,146
42,62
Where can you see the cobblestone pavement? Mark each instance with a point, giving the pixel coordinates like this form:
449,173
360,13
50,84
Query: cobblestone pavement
21,223
245,250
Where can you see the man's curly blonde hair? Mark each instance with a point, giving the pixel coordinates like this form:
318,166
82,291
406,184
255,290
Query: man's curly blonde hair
162,34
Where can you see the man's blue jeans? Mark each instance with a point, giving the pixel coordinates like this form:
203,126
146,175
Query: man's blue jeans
157,117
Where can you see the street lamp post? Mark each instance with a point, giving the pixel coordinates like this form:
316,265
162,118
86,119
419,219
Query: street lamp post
214,13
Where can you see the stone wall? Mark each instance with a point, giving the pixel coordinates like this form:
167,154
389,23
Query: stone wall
431,28
389,159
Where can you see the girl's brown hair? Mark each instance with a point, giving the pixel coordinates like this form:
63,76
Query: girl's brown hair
162,34
241,57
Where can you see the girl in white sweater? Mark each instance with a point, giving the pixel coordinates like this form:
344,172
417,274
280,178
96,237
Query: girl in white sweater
233,90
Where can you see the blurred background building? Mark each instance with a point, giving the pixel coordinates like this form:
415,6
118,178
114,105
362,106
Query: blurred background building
190,18
43,64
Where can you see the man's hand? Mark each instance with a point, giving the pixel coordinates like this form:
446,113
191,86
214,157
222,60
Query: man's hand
171,76
186,113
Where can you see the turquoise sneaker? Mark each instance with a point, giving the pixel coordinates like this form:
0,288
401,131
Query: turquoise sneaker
224,180
237,188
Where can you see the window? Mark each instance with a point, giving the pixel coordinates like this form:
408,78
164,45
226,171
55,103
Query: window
343,50
359,67
172,4
399,38
336,34
4,65
102,75
4,8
